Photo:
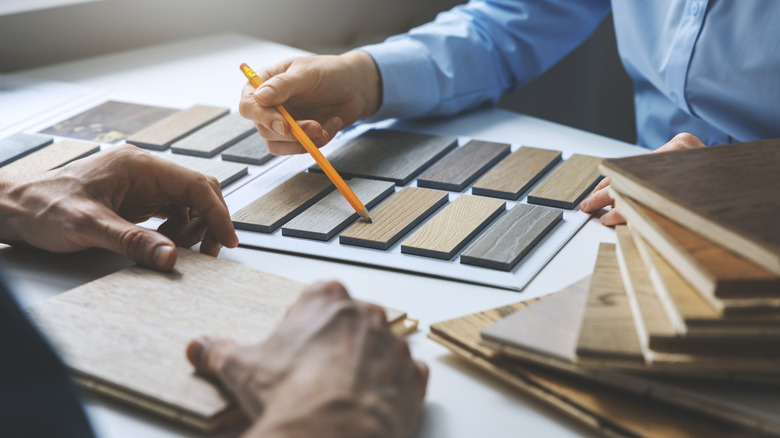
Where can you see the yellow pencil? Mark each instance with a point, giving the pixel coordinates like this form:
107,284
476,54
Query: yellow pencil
313,151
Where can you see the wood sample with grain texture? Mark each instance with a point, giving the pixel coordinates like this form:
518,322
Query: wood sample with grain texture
159,136
214,137
17,146
50,157
511,237
460,168
251,150
224,172
515,174
283,202
727,193
331,214
394,218
453,227
389,155
569,183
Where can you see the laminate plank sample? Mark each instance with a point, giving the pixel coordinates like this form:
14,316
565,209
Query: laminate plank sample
251,150
389,155
214,137
50,157
333,213
515,174
18,145
513,236
161,135
282,203
224,172
460,168
394,218
453,227
569,183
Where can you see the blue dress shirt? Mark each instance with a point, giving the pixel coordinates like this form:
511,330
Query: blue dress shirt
707,67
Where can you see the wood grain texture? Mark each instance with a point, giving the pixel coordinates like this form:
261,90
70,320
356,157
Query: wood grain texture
453,227
49,157
251,150
18,145
282,203
511,237
394,218
159,136
225,173
460,168
214,137
725,193
515,174
569,183
389,155
331,214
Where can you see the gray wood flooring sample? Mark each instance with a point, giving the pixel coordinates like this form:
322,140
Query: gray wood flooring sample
460,168
515,174
389,155
333,213
214,137
162,134
50,157
569,183
17,146
513,236
251,150
226,173
284,202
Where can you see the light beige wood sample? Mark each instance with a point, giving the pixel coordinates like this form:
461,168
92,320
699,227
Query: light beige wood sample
225,173
394,218
569,183
453,227
283,202
49,157
515,174
161,135
214,137
458,169
18,145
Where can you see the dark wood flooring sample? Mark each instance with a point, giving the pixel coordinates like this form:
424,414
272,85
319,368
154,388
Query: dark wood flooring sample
162,134
569,183
460,168
50,157
214,137
389,155
224,172
17,146
511,237
282,203
515,174
251,150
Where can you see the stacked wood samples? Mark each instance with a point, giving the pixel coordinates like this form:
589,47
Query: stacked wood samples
569,183
514,175
214,137
225,173
251,150
50,157
17,146
460,168
161,135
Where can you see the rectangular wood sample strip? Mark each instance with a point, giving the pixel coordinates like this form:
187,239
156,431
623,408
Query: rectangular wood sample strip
389,155
214,137
18,145
460,168
517,173
569,183
453,227
224,172
395,217
50,157
159,136
511,237
331,214
251,150
283,202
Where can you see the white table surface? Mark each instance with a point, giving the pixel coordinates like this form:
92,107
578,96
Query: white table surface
461,401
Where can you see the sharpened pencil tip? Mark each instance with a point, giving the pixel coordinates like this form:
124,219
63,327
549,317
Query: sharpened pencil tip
364,214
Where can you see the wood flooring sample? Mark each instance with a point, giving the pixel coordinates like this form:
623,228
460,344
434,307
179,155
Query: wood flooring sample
453,227
389,155
17,146
251,150
460,168
569,183
224,172
511,237
50,157
162,134
284,202
214,137
333,213
514,175
394,218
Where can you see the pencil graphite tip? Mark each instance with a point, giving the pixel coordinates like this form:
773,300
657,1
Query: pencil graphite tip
364,214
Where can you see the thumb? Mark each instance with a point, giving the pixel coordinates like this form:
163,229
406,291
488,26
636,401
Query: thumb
142,245
278,89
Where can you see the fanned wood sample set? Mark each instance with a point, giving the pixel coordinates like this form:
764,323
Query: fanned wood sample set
125,335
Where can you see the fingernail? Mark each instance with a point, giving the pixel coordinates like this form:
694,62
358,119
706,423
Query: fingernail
278,126
161,255
266,93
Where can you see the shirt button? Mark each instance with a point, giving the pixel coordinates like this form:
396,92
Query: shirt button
694,8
